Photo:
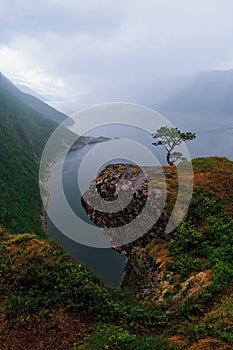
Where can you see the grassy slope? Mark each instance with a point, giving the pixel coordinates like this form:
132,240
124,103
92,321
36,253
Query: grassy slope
48,301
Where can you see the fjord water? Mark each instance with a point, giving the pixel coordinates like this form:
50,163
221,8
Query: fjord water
214,137
104,261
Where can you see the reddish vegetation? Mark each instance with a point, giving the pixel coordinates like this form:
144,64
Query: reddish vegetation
217,174
209,344
56,328
61,331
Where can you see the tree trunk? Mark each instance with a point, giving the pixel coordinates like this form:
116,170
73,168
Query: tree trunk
168,158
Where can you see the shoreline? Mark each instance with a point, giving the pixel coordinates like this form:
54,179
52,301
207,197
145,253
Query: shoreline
87,141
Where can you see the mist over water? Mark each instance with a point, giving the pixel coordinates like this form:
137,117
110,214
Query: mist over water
214,132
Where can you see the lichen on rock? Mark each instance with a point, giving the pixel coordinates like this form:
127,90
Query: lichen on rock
149,271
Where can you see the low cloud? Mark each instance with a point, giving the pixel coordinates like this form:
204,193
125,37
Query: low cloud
83,49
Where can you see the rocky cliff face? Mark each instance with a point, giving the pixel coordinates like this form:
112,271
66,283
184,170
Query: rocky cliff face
116,203
155,270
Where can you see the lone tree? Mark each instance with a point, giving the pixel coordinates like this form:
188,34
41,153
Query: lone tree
170,138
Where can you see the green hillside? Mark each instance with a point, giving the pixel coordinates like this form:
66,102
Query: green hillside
48,301
23,135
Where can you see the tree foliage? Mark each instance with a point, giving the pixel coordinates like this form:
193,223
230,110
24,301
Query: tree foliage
170,138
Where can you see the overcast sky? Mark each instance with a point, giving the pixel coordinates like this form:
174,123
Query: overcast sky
76,48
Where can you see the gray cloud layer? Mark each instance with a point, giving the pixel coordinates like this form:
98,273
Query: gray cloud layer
89,47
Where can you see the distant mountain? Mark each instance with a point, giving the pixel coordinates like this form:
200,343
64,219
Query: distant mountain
23,135
32,101
27,90
207,92
48,98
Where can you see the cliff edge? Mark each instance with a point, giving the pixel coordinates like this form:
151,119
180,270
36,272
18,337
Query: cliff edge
196,255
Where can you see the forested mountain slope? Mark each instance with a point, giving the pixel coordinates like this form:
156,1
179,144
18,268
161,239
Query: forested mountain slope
23,135
31,101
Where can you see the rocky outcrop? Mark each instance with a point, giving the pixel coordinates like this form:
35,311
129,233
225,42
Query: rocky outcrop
139,273
142,273
117,199
147,271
